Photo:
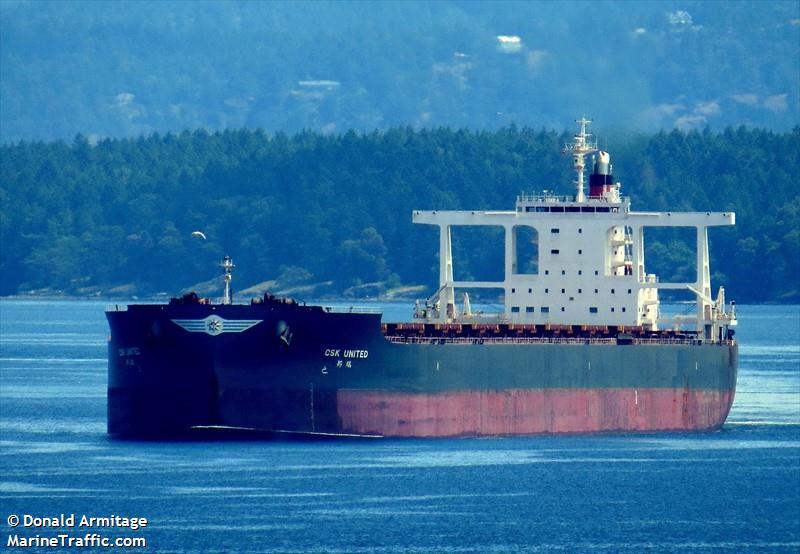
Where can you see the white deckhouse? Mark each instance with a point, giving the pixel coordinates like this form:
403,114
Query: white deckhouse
591,268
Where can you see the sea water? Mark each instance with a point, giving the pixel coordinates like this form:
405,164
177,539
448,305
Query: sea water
734,490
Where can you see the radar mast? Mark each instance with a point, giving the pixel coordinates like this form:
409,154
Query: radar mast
582,145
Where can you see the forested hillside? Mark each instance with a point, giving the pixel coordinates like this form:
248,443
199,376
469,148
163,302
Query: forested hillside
117,217
120,69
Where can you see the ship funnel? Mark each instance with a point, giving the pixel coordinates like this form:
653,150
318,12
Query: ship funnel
601,179
602,164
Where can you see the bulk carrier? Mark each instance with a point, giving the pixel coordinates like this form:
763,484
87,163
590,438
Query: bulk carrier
580,347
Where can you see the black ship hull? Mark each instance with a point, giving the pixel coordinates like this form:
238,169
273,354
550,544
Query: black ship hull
281,367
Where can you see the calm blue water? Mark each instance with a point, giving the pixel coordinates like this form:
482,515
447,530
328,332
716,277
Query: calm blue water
735,490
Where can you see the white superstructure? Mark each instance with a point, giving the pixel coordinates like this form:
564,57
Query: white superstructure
591,268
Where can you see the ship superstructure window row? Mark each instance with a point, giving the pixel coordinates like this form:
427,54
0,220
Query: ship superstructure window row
572,209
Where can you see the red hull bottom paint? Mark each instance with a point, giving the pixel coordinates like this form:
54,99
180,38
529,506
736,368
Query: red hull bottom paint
530,412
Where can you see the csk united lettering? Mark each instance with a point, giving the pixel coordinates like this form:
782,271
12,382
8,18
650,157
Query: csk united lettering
346,353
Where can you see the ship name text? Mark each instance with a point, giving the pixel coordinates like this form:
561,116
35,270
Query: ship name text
345,353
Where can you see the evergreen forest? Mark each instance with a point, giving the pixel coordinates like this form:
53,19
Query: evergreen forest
329,215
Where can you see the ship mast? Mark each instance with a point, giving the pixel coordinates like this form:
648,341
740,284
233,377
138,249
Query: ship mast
227,266
582,145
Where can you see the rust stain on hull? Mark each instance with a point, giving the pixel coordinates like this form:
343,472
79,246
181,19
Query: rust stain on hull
530,412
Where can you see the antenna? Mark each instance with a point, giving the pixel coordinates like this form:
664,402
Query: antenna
582,145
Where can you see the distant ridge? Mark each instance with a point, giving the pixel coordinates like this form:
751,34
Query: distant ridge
110,69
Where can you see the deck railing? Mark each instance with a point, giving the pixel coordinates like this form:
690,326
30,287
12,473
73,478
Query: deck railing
399,339
569,199
352,310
